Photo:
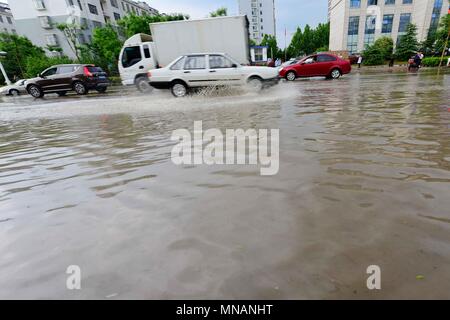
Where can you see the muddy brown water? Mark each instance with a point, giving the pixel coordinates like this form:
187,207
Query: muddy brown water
364,180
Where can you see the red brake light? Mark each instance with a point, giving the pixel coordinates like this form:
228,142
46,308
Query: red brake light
87,73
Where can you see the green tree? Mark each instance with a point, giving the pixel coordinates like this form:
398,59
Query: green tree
19,49
71,32
35,66
294,49
408,44
104,50
133,24
379,52
221,12
442,34
271,42
309,40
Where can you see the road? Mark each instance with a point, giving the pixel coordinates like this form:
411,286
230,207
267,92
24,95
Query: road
364,180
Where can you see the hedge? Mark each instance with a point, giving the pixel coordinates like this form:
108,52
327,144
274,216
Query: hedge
433,61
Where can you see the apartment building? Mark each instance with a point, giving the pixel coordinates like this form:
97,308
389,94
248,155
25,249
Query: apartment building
37,19
355,24
261,15
7,23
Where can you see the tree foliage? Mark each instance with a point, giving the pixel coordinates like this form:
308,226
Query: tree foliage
18,50
309,40
133,24
271,41
71,32
379,52
408,44
104,50
221,12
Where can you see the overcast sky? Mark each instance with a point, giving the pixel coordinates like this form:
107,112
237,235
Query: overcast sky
289,13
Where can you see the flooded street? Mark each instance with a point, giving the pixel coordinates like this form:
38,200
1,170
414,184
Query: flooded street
364,180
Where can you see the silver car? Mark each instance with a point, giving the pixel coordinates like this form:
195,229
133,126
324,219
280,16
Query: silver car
14,89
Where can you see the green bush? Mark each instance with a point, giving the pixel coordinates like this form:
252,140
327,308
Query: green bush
35,66
379,52
432,62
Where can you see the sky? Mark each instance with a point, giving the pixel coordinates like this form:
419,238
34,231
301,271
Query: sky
289,13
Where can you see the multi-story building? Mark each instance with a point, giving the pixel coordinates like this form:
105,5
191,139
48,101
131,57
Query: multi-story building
38,19
7,23
357,23
261,15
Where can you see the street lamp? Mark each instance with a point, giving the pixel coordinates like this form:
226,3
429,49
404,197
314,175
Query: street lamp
4,54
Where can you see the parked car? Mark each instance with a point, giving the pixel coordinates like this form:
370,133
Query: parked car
324,64
61,79
209,69
14,89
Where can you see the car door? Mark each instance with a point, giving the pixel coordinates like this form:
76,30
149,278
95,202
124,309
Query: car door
325,63
308,68
195,72
63,77
47,81
223,71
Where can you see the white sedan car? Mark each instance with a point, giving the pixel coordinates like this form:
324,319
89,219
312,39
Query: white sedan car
15,89
210,69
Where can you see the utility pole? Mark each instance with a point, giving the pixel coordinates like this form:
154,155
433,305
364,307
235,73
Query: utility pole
8,82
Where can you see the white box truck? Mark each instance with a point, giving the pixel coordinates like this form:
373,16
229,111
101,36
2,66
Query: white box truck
170,40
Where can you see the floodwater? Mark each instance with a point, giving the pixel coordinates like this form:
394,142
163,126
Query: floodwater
364,180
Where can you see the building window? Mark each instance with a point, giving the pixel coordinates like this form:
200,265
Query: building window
14,31
388,20
9,20
79,5
114,3
97,24
116,16
1,19
435,15
389,2
70,2
93,9
369,36
407,1
45,22
51,39
405,19
355,3
372,2
39,4
353,30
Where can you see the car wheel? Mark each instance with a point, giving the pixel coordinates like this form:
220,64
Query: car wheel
14,92
101,89
35,91
62,93
179,89
143,85
335,74
255,84
291,76
80,88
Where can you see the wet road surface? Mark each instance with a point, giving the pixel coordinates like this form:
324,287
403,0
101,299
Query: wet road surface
364,180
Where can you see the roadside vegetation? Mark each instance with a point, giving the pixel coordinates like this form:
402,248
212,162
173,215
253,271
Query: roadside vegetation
382,50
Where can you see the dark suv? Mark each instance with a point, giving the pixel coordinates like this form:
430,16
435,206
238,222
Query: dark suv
67,77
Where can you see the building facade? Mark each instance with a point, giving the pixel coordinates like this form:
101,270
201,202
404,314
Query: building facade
354,24
37,19
7,23
261,15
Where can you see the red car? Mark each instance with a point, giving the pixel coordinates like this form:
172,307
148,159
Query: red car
318,65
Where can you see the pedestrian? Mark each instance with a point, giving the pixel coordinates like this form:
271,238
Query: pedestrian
278,62
359,62
391,61
418,59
